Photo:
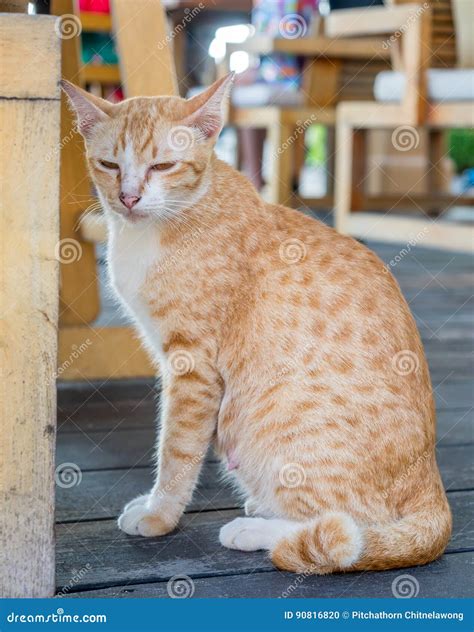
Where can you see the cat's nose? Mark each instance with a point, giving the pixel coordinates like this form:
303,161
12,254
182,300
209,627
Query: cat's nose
129,200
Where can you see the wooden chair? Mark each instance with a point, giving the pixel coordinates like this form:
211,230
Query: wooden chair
420,36
87,351
333,69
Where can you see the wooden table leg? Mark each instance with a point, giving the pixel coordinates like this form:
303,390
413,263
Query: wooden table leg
281,139
343,176
29,294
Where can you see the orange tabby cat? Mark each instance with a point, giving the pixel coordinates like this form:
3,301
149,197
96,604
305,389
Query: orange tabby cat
284,344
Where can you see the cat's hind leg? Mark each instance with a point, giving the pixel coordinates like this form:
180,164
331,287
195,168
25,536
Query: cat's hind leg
253,534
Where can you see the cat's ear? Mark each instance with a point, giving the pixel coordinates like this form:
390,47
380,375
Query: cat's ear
207,111
88,108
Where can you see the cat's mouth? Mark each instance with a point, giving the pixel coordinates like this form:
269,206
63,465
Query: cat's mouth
132,216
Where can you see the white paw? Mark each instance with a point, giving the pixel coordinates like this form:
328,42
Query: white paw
131,518
138,519
245,534
139,500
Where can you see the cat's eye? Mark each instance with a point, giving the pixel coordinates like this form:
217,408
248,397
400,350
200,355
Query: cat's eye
162,166
109,165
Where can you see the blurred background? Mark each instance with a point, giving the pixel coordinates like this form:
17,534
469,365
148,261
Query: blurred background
208,36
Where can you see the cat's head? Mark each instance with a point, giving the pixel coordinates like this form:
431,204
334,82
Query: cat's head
149,157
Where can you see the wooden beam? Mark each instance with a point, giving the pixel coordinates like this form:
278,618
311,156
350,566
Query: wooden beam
79,291
35,79
370,20
144,46
326,47
88,353
401,229
95,22
29,292
100,73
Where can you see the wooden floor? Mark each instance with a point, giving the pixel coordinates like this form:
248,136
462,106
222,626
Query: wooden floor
108,432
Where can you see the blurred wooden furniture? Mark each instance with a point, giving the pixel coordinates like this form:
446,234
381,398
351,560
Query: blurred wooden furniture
417,43
29,234
333,70
86,351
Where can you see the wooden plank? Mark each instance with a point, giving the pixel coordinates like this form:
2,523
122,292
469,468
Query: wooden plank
456,466
443,235
107,74
462,13
462,507
281,145
454,395
146,62
455,427
29,292
37,48
126,390
95,22
79,292
257,117
369,21
90,353
324,47
446,577
449,115
106,416
103,494
104,450
193,550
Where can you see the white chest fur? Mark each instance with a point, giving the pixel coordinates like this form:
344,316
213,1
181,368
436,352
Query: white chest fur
131,251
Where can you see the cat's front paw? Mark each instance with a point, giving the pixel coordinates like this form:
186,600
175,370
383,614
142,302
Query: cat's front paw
138,519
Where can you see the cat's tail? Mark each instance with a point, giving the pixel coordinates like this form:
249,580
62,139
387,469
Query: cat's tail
334,542
323,545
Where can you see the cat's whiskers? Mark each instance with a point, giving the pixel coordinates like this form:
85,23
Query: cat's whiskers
95,207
